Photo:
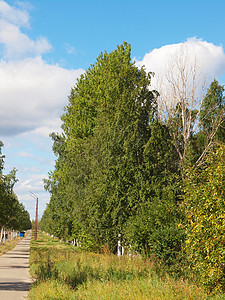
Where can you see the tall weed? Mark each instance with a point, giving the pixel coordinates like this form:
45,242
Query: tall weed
64,272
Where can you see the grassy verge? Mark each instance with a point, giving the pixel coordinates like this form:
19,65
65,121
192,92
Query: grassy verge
64,272
9,245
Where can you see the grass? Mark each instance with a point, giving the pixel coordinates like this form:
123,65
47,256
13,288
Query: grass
9,245
65,272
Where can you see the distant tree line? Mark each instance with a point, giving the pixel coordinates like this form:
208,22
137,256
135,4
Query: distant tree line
12,213
140,163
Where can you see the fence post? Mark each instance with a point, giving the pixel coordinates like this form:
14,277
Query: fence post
120,248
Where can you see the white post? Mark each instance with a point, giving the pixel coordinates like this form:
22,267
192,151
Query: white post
119,251
1,235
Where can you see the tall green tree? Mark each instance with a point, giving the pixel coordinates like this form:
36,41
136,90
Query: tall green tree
111,155
210,131
212,118
12,213
212,111
105,125
115,149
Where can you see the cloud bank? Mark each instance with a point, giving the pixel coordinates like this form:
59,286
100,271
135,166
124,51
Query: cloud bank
32,92
210,58
32,96
14,44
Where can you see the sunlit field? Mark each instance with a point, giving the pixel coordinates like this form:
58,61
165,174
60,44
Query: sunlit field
66,272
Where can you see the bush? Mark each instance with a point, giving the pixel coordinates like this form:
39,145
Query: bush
154,231
205,206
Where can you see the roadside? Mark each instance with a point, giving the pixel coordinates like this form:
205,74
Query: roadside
9,245
63,271
14,271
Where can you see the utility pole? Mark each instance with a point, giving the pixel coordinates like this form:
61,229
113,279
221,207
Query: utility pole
36,219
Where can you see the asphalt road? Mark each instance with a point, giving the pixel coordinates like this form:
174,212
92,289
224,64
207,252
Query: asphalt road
14,271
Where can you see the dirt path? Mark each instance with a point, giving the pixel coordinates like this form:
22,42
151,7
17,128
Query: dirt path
14,271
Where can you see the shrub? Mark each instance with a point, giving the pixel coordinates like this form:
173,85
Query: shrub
205,206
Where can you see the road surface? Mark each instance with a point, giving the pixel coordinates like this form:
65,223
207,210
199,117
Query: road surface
14,271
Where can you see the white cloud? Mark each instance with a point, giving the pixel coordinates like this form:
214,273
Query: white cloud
30,204
13,15
32,92
70,49
32,95
25,154
210,57
14,43
17,45
35,185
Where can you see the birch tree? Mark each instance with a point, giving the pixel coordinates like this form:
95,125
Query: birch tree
182,93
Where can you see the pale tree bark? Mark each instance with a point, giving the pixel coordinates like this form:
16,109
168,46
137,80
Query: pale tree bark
1,235
181,94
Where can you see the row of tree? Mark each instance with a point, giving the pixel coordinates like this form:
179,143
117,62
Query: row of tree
12,213
129,159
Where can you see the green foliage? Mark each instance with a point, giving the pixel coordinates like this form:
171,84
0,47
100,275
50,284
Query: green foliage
205,205
212,112
23,218
116,168
121,170
12,213
1,158
100,166
153,230
211,121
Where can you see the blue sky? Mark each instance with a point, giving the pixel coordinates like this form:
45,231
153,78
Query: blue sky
46,45
94,26
89,27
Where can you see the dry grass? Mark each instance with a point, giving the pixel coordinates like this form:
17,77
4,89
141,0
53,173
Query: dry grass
9,245
62,272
